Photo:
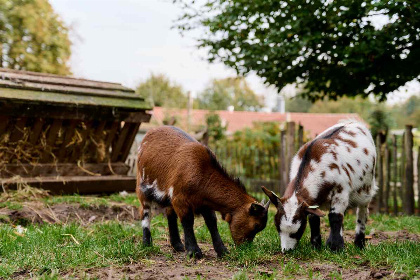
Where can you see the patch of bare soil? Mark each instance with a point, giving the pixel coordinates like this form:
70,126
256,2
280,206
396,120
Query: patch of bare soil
381,236
37,212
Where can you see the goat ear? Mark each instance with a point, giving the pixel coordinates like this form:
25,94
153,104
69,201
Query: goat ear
227,217
314,210
272,196
256,209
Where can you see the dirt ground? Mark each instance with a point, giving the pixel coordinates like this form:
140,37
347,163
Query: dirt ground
178,267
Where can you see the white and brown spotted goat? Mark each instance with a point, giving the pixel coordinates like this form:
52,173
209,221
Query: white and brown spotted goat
182,176
334,170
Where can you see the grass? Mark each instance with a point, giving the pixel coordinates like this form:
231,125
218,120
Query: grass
48,249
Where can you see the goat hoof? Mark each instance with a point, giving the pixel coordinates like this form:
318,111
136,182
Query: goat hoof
147,243
222,252
196,254
360,241
335,244
178,247
316,242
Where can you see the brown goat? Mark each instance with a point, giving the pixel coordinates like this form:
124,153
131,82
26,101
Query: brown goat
183,176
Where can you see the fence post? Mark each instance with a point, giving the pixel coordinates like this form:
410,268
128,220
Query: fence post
395,173
282,163
402,171
387,172
379,161
418,180
290,146
300,137
409,171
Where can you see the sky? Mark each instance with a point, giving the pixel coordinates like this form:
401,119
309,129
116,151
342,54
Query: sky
124,41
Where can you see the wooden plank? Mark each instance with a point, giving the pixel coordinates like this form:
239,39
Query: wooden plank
4,121
380,176
418,180
69,89
409,172
42,78
395,173
290,136
80,184
67,139
78,150
402,171
116,149
70,111
112,132
129,141
51,137
387,171
18,130
36,131
282,163
300,136
62,169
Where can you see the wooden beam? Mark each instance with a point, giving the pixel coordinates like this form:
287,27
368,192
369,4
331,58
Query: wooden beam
79,184
36,131
4,120
51,137
129,141
62,169
116,149
71,112
17,132
67,139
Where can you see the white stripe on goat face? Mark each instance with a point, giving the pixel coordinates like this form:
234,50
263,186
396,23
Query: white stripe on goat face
287,226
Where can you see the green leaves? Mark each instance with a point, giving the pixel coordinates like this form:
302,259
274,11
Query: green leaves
334,48
33,37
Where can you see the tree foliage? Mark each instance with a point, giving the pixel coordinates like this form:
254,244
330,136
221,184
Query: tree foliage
160,91
33,37
215,128
222,93
332,48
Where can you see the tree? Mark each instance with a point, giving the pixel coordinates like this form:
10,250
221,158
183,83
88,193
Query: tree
215,128
331,48
229,92
160,91
298,104
33,37
358,105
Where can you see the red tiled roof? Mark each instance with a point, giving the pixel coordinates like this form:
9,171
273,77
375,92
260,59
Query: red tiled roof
237,120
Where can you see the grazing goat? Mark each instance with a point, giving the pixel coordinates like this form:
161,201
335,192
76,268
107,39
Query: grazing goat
183,177
336,169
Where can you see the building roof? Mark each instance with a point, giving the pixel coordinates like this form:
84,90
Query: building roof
314,124
24,86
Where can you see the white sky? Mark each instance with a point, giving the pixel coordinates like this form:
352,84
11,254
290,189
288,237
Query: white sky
125,40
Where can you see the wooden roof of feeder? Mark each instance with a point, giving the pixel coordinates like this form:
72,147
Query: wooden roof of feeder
67,134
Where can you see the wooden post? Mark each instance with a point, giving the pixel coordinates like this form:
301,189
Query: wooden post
418,181
379,195
282,163
402,171
409,171
290,146
395,173
387,171
300,137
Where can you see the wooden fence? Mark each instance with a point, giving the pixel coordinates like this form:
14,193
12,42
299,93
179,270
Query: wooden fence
395,175
268,166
